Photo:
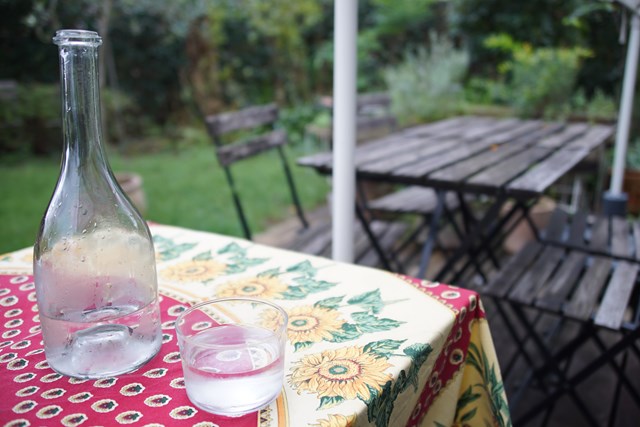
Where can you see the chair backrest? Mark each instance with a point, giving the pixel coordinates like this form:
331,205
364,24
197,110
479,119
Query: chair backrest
260,121
373,115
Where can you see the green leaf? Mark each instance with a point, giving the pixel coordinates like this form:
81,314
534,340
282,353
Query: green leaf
302,345
249,262
204,256
469,415
369,323
369,301
329,401
380,404
314,285
330,303
232,248
348,332
269,273
304,267
295,292
418,352
383,347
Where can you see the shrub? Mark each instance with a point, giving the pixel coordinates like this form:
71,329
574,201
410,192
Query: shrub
427,84
540,81
31,121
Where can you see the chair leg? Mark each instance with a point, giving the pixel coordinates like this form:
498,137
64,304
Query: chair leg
374,240
292,189
565,387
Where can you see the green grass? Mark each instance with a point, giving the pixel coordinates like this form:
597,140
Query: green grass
186,189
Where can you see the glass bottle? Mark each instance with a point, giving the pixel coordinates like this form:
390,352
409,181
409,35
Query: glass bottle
94,264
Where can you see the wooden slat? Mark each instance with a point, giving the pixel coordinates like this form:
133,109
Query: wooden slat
490,156
411,200
244,119
616,298
442,127
229,154
620,237
556,226
599,234
576,231
488,128
566,134
508,169
381,99
594,137
553,296
636,238
390,160
588,290
461,170
420,167
536,276
547,172
367,124
500,285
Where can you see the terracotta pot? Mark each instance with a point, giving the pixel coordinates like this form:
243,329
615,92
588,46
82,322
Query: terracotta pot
131,184
631,186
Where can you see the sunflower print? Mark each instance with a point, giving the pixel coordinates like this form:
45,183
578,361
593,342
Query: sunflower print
194,271
263,287
348,373
308,323
337,420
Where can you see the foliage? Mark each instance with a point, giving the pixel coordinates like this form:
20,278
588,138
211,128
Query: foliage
539,80
435,75
543,23
185,189
598,108
32,121
294,120
633,155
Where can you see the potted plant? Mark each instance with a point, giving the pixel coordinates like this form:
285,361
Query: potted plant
631,179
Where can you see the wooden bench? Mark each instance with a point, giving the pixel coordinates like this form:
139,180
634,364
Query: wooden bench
582,270
371,249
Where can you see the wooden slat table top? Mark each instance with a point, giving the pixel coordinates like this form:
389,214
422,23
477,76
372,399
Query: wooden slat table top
475,154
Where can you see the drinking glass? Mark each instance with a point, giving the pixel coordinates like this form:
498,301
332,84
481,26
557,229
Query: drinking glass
232,352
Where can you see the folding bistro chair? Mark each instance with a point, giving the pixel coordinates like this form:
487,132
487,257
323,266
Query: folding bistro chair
373,117
374,240
583,273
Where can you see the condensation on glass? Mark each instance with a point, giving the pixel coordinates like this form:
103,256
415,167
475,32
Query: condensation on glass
94,264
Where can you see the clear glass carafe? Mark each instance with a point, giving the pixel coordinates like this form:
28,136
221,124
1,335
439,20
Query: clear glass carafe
94,264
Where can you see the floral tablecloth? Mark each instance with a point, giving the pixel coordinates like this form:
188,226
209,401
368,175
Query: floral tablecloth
365,347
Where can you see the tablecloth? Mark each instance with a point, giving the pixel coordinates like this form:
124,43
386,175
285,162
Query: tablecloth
365,346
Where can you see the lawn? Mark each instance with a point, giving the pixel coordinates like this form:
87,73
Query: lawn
185,188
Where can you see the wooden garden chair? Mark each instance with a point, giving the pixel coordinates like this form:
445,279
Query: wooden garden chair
374,240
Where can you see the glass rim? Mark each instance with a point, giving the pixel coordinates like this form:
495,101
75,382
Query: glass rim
76,37
180,334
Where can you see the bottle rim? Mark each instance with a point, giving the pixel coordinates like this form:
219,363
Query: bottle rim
77,38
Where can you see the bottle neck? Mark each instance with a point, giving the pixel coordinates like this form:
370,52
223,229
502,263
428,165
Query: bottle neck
80,105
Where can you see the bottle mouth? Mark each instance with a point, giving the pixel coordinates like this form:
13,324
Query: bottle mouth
77,38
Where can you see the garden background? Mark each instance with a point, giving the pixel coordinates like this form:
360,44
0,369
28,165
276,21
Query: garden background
167,63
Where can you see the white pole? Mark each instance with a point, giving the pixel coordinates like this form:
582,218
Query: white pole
344,127
626,106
